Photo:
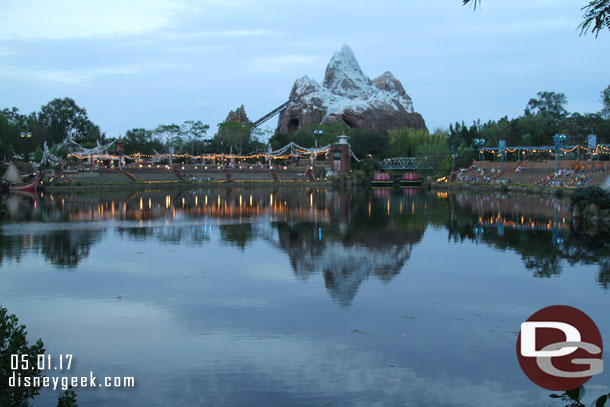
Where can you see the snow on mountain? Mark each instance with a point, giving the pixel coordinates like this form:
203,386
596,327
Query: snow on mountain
348,95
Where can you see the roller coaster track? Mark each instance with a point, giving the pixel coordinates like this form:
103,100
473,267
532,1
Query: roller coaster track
269,115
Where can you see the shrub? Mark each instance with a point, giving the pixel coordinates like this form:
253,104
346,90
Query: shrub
596,195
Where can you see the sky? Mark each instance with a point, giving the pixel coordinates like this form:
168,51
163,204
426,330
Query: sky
142,63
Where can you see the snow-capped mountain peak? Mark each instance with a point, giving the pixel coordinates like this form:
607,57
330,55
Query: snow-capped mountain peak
348,95
343,74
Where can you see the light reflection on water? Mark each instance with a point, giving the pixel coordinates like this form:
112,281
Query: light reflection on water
286,297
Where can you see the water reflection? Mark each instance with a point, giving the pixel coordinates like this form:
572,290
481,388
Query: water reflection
344,236
346,258
296,297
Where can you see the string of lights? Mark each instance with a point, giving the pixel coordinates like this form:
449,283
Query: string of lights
600,149
301,153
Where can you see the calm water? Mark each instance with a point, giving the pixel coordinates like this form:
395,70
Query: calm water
297,297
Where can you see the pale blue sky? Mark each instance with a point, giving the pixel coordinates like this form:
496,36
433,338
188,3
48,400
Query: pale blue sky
141,63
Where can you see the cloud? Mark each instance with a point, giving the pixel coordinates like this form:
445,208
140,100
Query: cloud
4,52
279,63
68,77
217,34
526,26
63,19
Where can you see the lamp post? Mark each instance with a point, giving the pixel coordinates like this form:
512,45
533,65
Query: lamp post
592,145
26,136
119,150
558,139
479,142
317,134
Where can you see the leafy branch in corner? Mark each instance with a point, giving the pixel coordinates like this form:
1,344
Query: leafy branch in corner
573,398
596,17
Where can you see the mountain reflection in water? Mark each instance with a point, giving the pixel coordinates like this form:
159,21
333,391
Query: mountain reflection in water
346,236
296,296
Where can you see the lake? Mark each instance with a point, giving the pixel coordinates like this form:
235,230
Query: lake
297,296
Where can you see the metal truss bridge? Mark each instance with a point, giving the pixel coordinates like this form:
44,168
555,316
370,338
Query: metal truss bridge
405,163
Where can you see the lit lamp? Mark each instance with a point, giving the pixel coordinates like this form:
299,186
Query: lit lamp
318,133
479,142
558,139
26,135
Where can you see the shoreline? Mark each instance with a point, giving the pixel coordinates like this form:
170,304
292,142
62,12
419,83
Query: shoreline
433,186
557,191
138,186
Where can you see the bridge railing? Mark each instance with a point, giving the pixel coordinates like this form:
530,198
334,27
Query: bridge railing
405,163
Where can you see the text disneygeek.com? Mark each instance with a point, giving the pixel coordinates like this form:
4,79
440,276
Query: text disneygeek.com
23,364
66,382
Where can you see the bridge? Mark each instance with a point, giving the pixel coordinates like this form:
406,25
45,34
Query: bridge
269,115
405,163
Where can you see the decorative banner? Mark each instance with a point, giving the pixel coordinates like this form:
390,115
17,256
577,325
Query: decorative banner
592,141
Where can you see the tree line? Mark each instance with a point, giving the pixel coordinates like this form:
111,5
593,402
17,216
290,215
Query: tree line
544,116
51,124
24,135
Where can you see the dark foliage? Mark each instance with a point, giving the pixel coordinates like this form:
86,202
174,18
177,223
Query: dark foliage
591,195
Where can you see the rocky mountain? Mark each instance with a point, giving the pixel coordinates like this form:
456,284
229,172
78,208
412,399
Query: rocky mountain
238,115
348,95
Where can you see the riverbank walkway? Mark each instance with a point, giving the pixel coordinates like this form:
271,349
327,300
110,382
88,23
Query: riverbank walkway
185,173
570,174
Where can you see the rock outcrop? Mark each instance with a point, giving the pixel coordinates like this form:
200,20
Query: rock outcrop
348,95
591,212
238,115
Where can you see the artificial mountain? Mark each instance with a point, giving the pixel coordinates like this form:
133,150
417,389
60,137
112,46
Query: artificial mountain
348,95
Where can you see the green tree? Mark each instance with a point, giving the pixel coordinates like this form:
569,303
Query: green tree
550,103
170,134
194,129
13,341
14,117
235,135
193,134
141,141
365,142
63,117
605,99
540,127
67,399
577,126
404,142
37,156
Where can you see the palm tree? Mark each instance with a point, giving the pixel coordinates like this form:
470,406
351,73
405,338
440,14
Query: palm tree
596,15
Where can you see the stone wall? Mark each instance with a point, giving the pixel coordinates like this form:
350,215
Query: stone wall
246,174
152,174
95,176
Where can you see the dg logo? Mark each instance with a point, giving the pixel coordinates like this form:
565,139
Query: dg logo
560,348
